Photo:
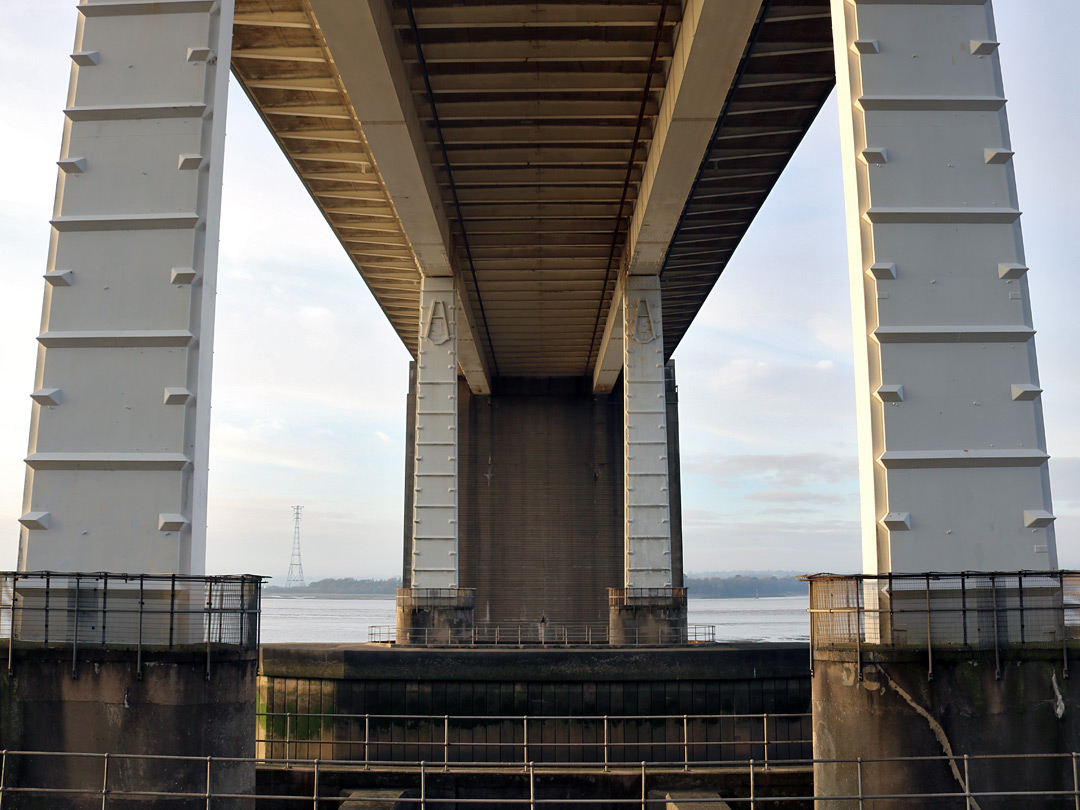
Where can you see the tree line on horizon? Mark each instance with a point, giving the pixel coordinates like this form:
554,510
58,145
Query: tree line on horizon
739,586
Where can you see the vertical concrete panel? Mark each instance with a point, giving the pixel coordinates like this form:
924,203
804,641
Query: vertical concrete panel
952,448
125,350
541,501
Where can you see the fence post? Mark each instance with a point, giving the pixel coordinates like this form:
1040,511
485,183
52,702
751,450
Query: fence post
929,641
3,773
997,652
367,740
765,737
644,795
75,634
138,654
525,739
1076,783
753,802
606,760
967,785
315,787
104,607
532,787
858,763
685,745
288,738
11,633
209,621
1064,630
105,781
423,786
446,743
209,794
172,608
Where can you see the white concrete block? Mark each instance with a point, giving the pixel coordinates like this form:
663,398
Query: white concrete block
982,47
182,275
897,521
176,396
1038,518
46,396
865,46
35,520
171,522
1011,270
199,54
997,156
86,58
189,162
883,270
875,155
1025,391
72,165
891,393
59,278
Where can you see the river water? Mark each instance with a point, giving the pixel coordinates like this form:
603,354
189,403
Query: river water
298,619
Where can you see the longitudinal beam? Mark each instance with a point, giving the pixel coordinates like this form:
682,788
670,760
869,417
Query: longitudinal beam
706,57
361,37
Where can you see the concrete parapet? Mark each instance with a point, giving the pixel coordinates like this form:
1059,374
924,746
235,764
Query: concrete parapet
435,615
172,707
647,616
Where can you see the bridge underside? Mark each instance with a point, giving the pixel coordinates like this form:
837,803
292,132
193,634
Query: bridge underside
541,196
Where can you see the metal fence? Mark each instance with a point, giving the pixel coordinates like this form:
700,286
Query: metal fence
202,785
990,611
131,611
521,633
609,740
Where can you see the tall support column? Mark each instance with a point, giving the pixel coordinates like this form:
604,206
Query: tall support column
951,445
434,608
119,436
648,609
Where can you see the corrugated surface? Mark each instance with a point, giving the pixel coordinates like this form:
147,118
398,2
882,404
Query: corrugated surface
540,498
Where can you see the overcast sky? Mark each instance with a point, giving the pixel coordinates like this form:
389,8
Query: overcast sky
310,380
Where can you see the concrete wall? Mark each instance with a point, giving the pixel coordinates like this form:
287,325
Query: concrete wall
510,683
896,711
171,710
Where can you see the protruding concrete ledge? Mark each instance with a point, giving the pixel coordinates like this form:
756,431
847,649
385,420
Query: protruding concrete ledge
647,616
135,112
918,459
120,8
107,461
125,222
963,215
954,334
944,103
434,615
121,338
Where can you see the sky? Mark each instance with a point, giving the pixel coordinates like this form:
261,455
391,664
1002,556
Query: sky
310,380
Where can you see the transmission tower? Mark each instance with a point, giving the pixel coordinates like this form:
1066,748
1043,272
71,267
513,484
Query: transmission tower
296,568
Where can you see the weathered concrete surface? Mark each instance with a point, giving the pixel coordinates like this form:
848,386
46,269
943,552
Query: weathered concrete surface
503,685
173,710
896,711
650,623
444,617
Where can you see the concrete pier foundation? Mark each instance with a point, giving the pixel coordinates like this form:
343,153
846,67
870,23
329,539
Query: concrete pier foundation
434,615
647,615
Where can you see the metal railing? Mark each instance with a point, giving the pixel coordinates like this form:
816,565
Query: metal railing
607,740
661,597
130,611
105,783
522,633
968,610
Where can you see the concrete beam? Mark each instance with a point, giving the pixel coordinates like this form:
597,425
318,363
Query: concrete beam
609,360
707,53
360,36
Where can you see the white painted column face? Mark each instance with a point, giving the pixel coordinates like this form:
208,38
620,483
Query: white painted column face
951,444
435,527
648,525
119,435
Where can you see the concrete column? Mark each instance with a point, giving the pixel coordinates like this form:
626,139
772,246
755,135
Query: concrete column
648,518
119,435
951,445
648,609
433,607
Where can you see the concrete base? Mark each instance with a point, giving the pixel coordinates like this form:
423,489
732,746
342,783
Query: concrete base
172,710
648,619
434,615
896,711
